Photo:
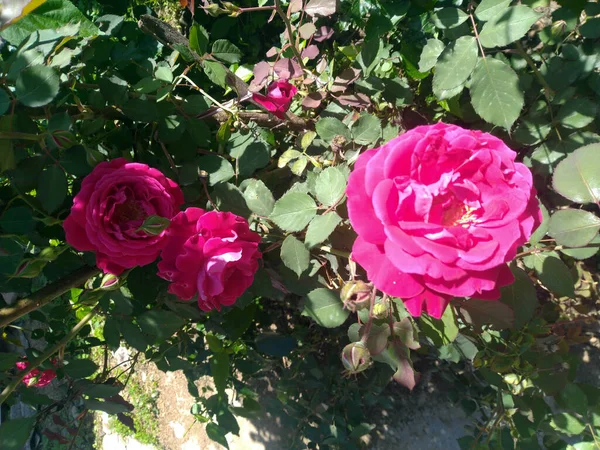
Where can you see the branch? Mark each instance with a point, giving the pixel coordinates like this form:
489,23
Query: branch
45,295
288,26
268,120
47,354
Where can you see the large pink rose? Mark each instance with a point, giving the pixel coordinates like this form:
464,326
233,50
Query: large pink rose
212,254
278,99
36,377
439,211
112,204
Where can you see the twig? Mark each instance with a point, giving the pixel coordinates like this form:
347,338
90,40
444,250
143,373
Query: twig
477,35
288,26
45,295
47,354
365,336
548,92
333,251
78,428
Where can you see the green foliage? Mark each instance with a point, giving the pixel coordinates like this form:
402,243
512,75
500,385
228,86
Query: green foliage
78,90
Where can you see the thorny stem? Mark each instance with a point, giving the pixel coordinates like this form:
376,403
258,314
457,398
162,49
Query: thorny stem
288,26
550,248
476,34
47,354
257,8
333,251
21,136
203,92
369,324
548,92
78,428
45,295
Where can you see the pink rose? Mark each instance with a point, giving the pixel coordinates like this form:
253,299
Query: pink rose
439,211
35,377
111,206
212,254
278,99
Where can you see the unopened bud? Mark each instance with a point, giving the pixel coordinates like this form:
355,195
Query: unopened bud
154,225
30,268
232,9
356,295
214,10
63,139
558,28
380,310
356,357
109,282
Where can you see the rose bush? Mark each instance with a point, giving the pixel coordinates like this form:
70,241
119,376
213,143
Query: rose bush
439,211
278,99
110,208
212,254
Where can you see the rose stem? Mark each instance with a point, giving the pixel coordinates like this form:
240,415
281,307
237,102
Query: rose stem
46,295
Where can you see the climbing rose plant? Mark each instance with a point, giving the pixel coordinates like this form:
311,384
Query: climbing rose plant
352,200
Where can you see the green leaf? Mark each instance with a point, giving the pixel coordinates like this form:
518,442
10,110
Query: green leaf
361,429
219,169
198,39
259,198
215,72
531,131
225,51
4,101
17,220
584,252
274,344
293,211
330,127
171,128
541,231
294,255
366,130
111,408
80,368
320,228
573,227
485,312
37,86
8,361
15,433
507,26
52,188
133,336
101,390
577,113
330,186
495,93
325,307
574,398
217,434
430,54
490,8
552,272
577,177
441,331
520,296
567,423
228,197
219,369
160,324
111,332
455,64
448,18
50,15
147,85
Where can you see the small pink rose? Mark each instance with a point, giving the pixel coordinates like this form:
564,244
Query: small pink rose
110,208
36,377
212,254
439,211
278,99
